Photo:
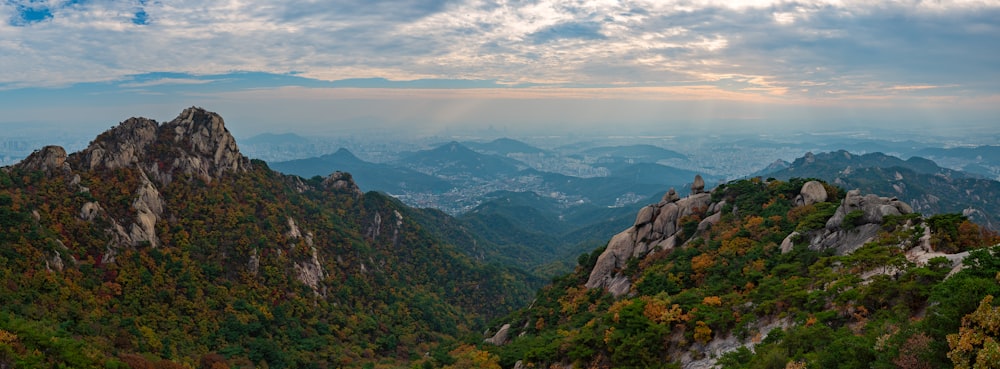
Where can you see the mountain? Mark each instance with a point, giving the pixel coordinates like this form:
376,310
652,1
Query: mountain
162,245
767,274
504,146
369,176
454,159
635,153
981,160
929,188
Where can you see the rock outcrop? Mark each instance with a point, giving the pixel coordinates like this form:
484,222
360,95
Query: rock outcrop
50,159
122,146
656,227
209,150
341,182
501,337
309,271
857,221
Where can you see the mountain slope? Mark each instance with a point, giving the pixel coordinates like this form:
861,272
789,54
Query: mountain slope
801,273
927,187
176,249
369,176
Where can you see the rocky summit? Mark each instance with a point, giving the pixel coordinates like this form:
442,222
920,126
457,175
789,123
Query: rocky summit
196,143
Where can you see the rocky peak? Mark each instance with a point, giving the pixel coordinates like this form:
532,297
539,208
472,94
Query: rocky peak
195,143
207,149
49,159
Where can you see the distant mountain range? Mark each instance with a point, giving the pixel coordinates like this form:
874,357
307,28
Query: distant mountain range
369,176
529,218
454,159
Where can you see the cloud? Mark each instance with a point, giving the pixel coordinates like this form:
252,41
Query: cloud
813,49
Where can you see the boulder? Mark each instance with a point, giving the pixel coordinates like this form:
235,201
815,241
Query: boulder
811,193
698,186
670,196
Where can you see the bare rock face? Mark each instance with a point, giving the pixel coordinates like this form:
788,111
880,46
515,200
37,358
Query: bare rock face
309,271
656,227
209,150
812,192
50,159
196,143
121,146
501,337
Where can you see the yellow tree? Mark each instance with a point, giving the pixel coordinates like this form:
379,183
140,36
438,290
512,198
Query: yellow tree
468,356
975,346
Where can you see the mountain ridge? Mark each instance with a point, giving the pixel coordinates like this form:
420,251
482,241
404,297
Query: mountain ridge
177,249
920,182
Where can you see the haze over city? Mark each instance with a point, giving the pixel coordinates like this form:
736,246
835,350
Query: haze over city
516,67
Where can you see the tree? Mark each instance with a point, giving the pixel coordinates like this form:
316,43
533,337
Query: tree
976,346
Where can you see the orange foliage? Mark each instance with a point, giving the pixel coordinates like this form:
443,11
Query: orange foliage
702,262
712,301
737,245
657,311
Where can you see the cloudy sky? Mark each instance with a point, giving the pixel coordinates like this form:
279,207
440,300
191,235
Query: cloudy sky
651,66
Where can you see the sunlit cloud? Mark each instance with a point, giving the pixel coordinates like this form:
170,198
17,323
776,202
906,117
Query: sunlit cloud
753,51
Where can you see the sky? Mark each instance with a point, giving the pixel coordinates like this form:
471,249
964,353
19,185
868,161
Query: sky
438,66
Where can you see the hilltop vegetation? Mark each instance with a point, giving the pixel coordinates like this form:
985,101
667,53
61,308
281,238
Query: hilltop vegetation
729,287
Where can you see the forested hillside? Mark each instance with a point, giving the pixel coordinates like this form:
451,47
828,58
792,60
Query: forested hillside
160,245
769,274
